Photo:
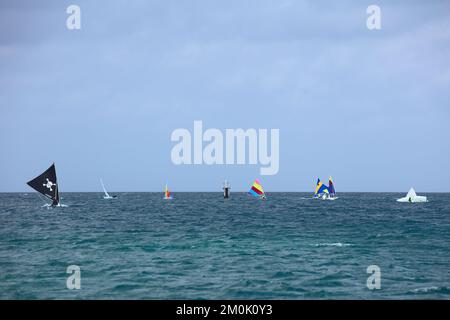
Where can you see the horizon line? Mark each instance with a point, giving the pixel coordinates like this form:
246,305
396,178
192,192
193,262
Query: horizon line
239,191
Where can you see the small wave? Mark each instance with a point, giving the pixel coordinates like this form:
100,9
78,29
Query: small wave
49,206
334,244
432,289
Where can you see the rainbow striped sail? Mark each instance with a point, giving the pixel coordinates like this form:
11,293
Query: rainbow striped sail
331,187
257,190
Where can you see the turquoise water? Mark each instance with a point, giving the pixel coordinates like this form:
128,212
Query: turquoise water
201,246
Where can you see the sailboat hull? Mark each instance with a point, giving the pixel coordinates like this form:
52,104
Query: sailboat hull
413,199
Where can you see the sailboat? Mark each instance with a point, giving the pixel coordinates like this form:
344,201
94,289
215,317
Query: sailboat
413,197
257,190
167,195
321,191
47,185
331,189
226,189
106,196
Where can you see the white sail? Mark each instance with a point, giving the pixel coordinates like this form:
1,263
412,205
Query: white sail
411,193
106,196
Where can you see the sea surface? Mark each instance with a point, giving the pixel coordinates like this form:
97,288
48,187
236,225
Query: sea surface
201,246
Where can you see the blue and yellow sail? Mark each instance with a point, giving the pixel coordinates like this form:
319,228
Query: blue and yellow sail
320,189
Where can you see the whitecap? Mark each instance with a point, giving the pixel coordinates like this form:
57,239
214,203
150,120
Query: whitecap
425,289
334,244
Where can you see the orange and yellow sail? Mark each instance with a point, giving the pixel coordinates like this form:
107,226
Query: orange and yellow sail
166,193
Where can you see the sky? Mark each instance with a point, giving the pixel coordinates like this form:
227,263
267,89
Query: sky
369,107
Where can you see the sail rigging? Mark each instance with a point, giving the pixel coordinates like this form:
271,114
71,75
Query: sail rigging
46,184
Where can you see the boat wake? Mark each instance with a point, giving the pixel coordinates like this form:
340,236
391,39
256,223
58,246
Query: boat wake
49,206
432,289
334,244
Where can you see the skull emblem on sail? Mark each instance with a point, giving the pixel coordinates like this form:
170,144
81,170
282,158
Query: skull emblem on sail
49,185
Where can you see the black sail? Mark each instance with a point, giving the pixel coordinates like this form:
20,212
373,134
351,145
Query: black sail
46,184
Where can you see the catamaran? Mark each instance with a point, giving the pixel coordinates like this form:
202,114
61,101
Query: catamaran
167,195
106,196
257,190
324,192
413,197
47,185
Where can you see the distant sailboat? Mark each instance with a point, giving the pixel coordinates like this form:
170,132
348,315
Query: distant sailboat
331,189
226,189
47,185
257,191
321,191
167,195
413,197
106,196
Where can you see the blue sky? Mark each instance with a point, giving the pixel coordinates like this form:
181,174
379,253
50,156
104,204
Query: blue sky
368,107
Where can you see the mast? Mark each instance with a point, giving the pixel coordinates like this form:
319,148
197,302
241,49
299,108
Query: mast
56,200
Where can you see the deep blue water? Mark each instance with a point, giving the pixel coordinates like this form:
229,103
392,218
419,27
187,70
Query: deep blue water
201,246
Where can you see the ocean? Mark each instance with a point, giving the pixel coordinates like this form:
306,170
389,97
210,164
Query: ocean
201,246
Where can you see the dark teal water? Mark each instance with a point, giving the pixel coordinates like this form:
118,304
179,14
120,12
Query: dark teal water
200,246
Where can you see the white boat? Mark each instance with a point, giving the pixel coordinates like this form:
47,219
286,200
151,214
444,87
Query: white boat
413,197
106,196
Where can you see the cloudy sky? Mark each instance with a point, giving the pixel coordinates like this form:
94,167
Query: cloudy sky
370,107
